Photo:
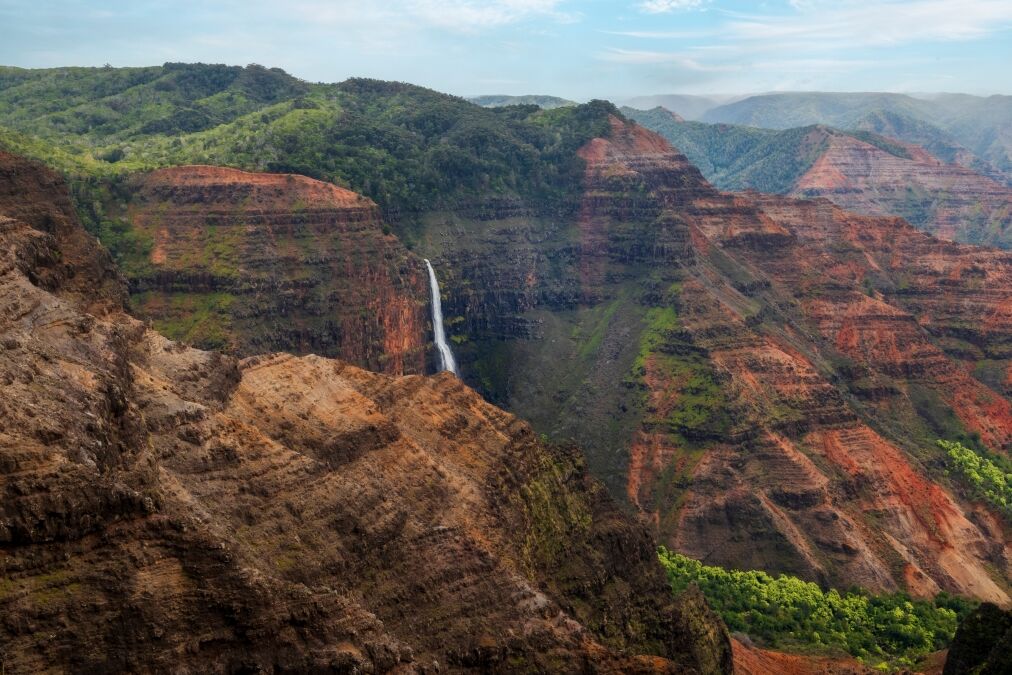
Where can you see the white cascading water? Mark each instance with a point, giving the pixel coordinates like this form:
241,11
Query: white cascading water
446,360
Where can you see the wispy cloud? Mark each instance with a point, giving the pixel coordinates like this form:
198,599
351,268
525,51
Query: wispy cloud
662,34
454,15
877,23
679,59
667,6
470,15
820,39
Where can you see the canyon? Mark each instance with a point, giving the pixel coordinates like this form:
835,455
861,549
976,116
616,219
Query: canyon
763,378
167,508
776,370
757,380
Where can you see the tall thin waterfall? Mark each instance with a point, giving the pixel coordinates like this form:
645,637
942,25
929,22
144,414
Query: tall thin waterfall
446,360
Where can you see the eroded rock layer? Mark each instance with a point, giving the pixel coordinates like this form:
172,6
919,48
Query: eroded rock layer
169,509
252,262
948,200
763,377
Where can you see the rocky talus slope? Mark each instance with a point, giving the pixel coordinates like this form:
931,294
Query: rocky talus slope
250,262
763,377
169,509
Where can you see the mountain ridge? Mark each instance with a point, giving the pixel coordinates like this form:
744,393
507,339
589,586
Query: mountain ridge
858,170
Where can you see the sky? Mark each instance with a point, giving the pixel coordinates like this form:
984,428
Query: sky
578,49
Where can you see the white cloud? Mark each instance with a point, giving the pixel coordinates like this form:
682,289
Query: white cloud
454,15
662,34
470,15
666,6
856,24
677,59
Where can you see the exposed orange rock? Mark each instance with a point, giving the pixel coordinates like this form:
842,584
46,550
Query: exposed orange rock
827,331
35,195
252,262
166,508
754,661
954,202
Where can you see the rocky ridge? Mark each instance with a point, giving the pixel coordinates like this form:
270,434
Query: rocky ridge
947,200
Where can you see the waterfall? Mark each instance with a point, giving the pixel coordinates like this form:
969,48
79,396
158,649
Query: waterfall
446,360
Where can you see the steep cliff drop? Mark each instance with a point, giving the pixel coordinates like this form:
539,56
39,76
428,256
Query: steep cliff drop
446,360
250,263
786,368
163,507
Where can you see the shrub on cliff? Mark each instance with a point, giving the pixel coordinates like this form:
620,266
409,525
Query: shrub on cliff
786,611
989,480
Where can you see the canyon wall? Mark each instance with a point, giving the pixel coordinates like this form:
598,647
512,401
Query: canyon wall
166,508
248,263
947,200
764,378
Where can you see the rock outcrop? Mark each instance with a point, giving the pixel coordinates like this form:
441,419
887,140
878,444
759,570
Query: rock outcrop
249,262
164,508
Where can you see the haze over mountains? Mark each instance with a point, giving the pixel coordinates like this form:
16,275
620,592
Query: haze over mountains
648,355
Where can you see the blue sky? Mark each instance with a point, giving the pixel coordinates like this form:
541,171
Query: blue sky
579,49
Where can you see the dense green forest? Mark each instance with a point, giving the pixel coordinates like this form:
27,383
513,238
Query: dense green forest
406,147
497,101
788,613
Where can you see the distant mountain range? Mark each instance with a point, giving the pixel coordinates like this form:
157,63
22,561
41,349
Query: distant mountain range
688,106
973,131
498,101
858,169
951,126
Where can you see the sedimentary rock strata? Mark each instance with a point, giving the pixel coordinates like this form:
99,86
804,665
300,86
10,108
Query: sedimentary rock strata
250,262
166,508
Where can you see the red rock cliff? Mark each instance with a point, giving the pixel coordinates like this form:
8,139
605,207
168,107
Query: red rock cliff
253,262
778,370
165,508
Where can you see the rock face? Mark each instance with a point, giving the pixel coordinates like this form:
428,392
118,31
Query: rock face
763,377
251,262
753,661
36,196
164,508
947,200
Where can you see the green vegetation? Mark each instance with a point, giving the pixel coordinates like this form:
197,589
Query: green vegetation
698,411
988,479
408,148
498,101
199,318
682,399
787,612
